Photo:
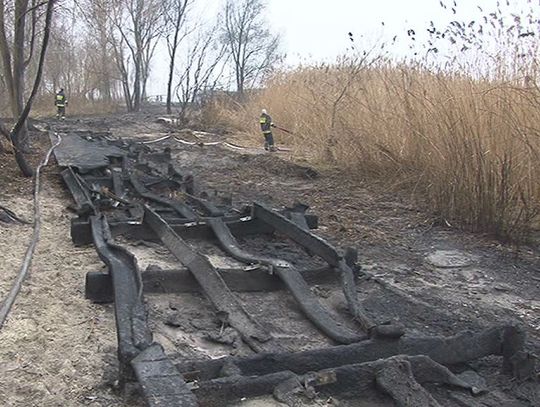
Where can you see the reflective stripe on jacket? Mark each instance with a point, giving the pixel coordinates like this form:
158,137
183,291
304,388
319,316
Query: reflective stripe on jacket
266,123
60,100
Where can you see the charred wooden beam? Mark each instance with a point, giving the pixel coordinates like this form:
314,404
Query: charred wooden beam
80,194
300,235
130,314
98,287
293,280
157,281
215,289
506,341
161,383
134,229
400,377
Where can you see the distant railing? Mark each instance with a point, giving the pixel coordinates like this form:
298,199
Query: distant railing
156,99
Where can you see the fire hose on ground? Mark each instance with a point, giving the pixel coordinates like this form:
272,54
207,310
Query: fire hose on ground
7,304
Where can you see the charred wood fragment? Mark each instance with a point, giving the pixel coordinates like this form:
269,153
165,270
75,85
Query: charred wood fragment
506,341
8,216
215,289
293,280
400,377
133,333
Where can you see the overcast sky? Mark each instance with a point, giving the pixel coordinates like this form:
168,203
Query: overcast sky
317,30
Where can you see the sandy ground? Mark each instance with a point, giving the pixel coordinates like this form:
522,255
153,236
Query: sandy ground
58,349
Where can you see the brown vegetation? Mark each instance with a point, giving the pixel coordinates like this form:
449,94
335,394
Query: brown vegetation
470,147
455,121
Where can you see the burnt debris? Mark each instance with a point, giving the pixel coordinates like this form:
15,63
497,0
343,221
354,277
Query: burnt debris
134,190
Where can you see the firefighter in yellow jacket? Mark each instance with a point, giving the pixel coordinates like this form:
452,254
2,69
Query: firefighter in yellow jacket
60,101
266,128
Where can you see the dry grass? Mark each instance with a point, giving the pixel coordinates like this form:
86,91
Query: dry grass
470,147
467,146
456,122
77,106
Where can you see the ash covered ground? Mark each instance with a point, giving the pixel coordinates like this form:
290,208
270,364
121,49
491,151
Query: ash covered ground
59,349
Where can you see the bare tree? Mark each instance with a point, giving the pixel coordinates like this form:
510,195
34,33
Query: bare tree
64,65
175,18
122,65
252,46
201,71
16,56
97,15
139,24
15,71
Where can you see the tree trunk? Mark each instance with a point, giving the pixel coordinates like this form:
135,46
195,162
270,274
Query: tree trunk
172,61
137,87
6,55
17,104
169,84
14,74
20,125
127,95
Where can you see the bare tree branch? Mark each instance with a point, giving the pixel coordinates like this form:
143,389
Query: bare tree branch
252,47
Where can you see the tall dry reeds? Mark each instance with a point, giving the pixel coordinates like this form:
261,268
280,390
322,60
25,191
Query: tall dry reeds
457,121
469,147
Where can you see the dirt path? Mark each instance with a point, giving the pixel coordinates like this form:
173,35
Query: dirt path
395,239
58,349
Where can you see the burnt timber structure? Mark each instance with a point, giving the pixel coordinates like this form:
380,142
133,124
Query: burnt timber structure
129,189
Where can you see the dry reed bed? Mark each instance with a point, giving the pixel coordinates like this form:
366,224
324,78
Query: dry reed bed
469,147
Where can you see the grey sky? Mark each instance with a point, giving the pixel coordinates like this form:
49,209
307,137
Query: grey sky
316,30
